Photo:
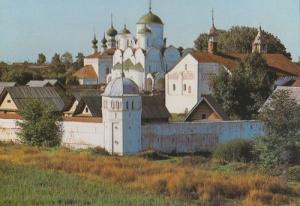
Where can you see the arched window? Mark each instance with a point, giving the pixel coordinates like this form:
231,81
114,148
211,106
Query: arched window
127,105
184,87
185,66
174,87
132,106
117,105
112,104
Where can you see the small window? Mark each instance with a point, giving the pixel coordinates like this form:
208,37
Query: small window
203,116
112,105
127,105
190,89
8,101
174,87
184,87
117,105
107,70
132,105
86,110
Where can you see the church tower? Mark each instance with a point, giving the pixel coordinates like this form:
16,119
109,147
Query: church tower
111,34
94,43
144,38
213,37
103,41
122,111
155,24
259,45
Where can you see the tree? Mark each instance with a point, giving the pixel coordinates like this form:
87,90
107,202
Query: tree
79,61
281,118
40,125
67,60
41,59
56,65
239,39
242,93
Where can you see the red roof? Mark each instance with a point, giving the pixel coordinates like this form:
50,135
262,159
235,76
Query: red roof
87,72
100,55
279,62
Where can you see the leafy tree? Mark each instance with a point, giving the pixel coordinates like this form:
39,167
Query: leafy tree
281,117
242,92
72,80
40,125
18,76
239,39
56,66
67,60
41,59
79,61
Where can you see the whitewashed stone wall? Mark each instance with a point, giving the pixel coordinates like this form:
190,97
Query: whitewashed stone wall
172,137
200,136
83,134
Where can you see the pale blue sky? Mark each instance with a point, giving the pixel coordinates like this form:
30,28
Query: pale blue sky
28,27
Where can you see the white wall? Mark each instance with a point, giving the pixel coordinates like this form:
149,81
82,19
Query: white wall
200,136
8,129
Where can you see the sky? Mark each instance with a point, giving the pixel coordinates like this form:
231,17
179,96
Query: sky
30,27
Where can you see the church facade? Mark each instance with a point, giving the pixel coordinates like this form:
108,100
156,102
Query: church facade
145,57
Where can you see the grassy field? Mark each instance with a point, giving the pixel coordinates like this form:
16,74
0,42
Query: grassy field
27,186
87,178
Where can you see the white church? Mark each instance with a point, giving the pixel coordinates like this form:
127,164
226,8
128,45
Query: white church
144,57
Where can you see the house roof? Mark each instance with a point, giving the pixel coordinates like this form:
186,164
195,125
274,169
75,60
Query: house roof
279,62
94,103
212,103
38,83
48,95
153,107
6,84
87,72
296,83
101,55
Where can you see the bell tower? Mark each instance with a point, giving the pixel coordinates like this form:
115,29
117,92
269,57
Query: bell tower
259,45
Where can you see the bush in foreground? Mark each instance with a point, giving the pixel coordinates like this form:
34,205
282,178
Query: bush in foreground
239,150
40,124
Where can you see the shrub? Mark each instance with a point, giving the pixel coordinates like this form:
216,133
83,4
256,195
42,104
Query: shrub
235,150
151,154
40,124
293,173
99,151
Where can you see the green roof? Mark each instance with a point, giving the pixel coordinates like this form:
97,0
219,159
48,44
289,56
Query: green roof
128,65
112,31
125,30
150,18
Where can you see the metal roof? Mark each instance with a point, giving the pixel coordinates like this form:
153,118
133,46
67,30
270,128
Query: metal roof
48,95
94,103
121,86
153,108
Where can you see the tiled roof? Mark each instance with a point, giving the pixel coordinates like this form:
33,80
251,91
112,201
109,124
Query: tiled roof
87,72
279,62
211,102
153,108
99,55
296,83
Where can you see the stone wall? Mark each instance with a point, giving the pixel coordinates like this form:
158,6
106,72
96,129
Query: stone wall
194,137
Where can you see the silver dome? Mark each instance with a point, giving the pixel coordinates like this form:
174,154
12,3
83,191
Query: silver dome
121,87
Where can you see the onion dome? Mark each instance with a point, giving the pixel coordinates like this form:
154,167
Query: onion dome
125,30
94,41
144,30
150,18
112,32
104,41
121,87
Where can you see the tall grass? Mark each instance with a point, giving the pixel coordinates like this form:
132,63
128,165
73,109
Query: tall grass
22,186
174,180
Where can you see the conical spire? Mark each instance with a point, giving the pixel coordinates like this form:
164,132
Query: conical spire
150,5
